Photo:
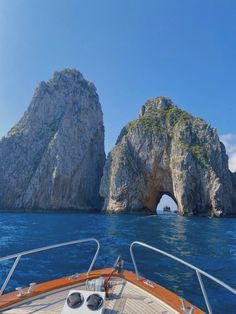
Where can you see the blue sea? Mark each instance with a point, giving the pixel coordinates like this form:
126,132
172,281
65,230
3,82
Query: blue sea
209,244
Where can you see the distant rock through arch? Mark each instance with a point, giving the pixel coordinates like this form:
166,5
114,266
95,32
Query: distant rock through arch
166,200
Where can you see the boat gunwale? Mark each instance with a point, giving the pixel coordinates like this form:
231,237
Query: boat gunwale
198,271
18,256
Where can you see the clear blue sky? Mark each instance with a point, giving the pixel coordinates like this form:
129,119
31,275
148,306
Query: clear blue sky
132,50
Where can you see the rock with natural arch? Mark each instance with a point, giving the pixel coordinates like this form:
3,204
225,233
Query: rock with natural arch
166,150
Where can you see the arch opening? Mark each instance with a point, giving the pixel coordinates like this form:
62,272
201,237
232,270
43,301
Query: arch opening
166,204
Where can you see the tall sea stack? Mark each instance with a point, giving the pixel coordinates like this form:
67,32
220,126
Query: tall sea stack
53,157
168,151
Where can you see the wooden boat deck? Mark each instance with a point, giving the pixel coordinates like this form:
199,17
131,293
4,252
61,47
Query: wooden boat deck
125,297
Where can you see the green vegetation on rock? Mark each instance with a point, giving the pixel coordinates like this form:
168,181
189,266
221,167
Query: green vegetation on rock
132,124
200,154
14,132
152,123
175,115
198,151
158,120
70,70
164,121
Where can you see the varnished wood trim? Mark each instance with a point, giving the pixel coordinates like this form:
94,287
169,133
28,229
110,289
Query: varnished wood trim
170,298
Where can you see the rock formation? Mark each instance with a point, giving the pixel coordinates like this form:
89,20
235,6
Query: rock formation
54,157
168,151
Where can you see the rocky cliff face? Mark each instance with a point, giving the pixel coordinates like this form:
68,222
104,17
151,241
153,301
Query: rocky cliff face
54,157
168,151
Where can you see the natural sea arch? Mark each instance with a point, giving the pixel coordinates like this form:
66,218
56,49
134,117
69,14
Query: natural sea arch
166,199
